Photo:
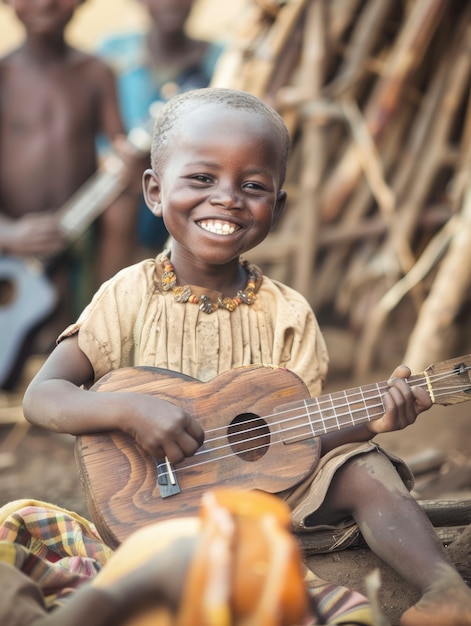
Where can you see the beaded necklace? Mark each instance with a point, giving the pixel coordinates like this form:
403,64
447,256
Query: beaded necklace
205,303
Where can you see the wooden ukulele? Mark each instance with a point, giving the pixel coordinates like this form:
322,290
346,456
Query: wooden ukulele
27,296
261,431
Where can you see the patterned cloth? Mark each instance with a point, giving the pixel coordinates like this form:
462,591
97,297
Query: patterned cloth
61,550
58,549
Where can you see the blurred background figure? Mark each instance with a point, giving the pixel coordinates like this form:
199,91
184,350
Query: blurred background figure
55,100
151,66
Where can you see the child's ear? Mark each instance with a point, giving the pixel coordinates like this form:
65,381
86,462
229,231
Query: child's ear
279,207
151,190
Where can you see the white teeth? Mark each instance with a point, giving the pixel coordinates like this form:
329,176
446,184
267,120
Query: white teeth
219,228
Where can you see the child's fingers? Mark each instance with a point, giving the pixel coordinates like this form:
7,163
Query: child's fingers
402,371
188,444
173,452
195,430
403,402
397,412
422,400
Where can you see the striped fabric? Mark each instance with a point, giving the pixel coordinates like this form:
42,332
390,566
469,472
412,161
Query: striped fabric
334,604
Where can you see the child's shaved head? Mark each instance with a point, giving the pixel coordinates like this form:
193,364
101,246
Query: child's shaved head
167,122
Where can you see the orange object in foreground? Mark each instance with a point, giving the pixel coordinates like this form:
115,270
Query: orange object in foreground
246,567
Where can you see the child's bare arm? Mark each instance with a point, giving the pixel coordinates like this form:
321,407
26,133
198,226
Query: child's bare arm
56,400
402,404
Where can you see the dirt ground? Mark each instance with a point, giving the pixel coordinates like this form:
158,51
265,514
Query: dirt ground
37,464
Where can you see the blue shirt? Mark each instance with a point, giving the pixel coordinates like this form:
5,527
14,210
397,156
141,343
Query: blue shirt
140,85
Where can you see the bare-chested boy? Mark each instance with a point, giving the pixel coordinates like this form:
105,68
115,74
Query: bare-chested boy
54,101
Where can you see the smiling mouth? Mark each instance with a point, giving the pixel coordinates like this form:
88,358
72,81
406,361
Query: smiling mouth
218,227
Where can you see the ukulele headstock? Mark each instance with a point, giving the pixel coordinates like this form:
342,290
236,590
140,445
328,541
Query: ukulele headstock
449,382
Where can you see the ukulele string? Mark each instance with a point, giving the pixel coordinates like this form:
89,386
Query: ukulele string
297,416
324,403
253,448
328,406
381,387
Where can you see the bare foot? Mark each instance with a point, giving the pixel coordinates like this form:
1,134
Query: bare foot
444,607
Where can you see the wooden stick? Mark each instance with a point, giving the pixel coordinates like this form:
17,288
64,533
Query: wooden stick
368,208
367,29
448,292
329,288
404,59
313,149
341,15
453,92
407,214
250,65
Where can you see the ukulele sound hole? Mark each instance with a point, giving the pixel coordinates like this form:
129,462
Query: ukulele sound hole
249,436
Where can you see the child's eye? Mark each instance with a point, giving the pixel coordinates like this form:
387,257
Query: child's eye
202,178
254,186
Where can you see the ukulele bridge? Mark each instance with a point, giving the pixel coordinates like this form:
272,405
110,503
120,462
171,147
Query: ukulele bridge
167,480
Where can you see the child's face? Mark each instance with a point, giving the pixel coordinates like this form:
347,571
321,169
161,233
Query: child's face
44,17
169,15
218,188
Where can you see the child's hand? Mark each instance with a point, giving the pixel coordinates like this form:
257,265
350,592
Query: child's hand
163,429
402,403
36,234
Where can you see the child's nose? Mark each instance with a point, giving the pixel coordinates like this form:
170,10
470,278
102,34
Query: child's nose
227,196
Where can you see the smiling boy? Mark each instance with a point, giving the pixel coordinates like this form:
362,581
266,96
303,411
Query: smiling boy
218,165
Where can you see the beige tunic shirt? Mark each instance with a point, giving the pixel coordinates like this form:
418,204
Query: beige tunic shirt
132,321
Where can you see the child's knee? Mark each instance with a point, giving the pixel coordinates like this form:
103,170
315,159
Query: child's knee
365,475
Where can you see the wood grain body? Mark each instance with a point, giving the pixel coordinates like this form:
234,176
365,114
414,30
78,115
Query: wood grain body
235,409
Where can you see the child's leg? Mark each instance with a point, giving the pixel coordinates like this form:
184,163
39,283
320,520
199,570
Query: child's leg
369,489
